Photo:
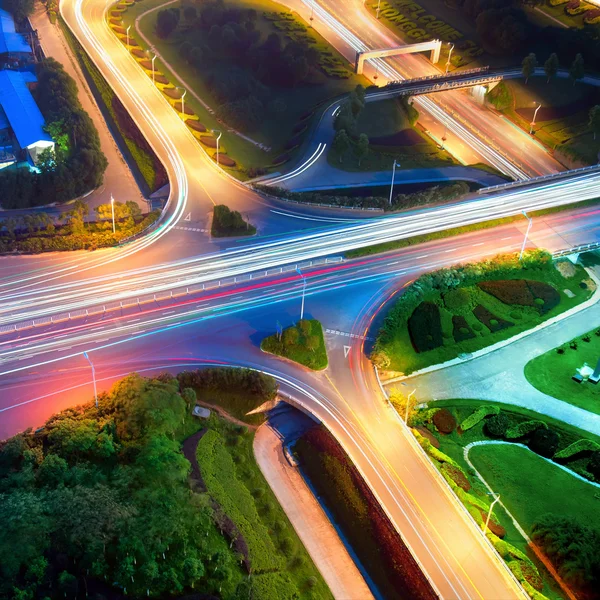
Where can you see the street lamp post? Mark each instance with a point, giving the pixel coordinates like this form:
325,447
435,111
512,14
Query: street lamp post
153,59
534,116
303,292
449,56
407,405
378,5
128,28
85,354
183,102
218,138
526,234
112,208
393,176
487,521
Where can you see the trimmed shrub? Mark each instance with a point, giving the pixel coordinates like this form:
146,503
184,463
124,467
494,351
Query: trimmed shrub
490,320
425,328
457,300
577,447
497,425
433,452
461,330
524,428
593,465
544,442
478,415
509,291
457,475
444,421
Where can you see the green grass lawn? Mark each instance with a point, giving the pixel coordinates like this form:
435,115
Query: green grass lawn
302,343
473,334
282,568
274,132
551,372
382,118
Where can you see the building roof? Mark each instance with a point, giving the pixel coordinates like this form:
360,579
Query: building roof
10,41
22,112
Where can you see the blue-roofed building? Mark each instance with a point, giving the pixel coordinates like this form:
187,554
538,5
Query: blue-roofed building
12,43
23,115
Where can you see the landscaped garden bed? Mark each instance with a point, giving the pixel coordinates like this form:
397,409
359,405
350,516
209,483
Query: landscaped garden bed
466,308
525,470
303,343
229,223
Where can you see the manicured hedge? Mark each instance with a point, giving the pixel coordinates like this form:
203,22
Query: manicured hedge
457,475
544,442
523,292
360,517
425,327
577,447
490,320
524,428
444,421
461,330
547,293
478,415
497,425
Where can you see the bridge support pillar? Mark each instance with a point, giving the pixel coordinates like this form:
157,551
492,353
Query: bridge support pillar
573,257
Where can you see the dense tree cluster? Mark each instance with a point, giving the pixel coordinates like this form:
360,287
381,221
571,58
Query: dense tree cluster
99,497
76,166
19,9
573,548
240,66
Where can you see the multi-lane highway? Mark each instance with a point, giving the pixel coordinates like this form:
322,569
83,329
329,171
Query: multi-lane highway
42,370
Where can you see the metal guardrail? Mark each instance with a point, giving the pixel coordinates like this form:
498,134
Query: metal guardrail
577,249
540,179
176,292
444,76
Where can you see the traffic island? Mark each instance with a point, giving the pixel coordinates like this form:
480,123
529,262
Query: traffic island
302,343
229,223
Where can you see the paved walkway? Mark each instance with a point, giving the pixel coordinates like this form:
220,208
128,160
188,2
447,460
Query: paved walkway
499,375
118,179
319,538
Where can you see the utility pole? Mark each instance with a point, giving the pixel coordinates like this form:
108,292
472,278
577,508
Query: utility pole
533,122
526,234
218,138
407,406
153,59
487,521
93,376
303,292
112,207
449,56
393,176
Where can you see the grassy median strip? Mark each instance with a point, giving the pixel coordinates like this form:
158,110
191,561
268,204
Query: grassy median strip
280,566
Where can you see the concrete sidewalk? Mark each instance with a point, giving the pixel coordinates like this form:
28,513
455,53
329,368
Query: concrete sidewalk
118,179
308,519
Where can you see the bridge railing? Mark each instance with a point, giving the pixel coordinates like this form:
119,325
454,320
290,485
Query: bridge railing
540,179
577,249
453,75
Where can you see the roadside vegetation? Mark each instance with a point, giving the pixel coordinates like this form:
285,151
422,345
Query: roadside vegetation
565,122
303,343
462,309
40,232
132,526
425,197
77,164
148,170
371,135
360,518
530,487
551,372
279,566
242,59
229,223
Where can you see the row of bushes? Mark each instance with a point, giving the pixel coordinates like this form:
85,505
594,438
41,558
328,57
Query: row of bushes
357,512
430,195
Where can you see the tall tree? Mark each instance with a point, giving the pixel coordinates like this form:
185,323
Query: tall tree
594,121
362,147
341,143
528,66
166,22
551,66
577,70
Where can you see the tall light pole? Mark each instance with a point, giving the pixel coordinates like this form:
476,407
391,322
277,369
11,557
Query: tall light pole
535,112
526,234
218,138
487,521
183,102
378,5
112,208
407,405
93,377
128,28
449,56
153,59
393,176
303,292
